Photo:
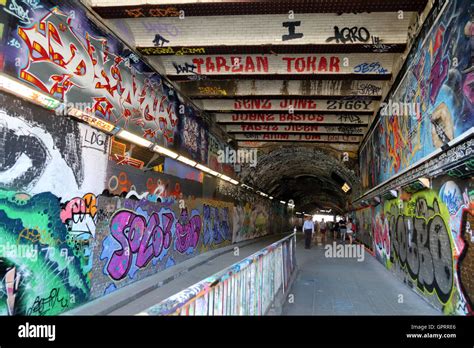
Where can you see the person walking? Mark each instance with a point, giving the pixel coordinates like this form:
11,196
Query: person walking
335,230
350,230
316,231
323,227
343,229
308,229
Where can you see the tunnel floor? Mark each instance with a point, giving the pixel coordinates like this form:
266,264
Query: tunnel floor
346,286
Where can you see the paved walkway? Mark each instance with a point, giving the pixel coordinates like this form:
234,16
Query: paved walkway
344,286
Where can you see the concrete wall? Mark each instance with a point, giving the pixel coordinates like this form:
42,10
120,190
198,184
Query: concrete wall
425,237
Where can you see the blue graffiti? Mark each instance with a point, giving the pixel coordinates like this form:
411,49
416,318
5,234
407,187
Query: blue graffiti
374,67
216,230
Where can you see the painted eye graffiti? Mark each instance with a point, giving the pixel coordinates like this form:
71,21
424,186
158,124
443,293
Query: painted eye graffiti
23,158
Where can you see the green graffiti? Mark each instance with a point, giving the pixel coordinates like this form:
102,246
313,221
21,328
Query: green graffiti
49,278
421,243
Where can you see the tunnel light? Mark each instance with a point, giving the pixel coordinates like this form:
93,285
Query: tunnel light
225,177
22,90
282,202
91,120
165,151
126,135
346,187
187,161
206,169
75,112
270,197
375,200
417,185
297,213
426,182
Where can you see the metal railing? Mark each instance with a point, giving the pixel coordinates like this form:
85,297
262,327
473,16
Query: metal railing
248,287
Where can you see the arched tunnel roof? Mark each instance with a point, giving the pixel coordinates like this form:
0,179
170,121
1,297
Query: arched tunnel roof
303,174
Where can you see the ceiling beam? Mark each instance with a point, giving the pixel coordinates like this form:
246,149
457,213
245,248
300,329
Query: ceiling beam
295,129
314,138
367,32
280,88
171,8
354,65
299,118
288,105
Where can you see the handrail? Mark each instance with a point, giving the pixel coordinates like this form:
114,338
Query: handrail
247,287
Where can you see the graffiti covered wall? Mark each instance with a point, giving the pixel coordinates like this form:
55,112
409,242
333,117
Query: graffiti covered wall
55,47
138,238
426,241
83,214
425,238
432,104
363,220
255,219
50,171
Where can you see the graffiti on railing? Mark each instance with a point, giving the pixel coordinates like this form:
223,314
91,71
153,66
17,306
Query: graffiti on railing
245,288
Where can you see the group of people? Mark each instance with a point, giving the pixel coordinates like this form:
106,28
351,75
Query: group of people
340,229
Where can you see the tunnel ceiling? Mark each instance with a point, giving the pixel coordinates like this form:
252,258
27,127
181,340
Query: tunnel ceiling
301,80
303,174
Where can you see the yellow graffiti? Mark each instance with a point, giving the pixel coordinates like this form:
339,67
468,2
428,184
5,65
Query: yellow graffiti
212,91
34,235
409,210
90,201
193,50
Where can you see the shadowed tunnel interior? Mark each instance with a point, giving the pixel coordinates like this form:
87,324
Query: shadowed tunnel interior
304,174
